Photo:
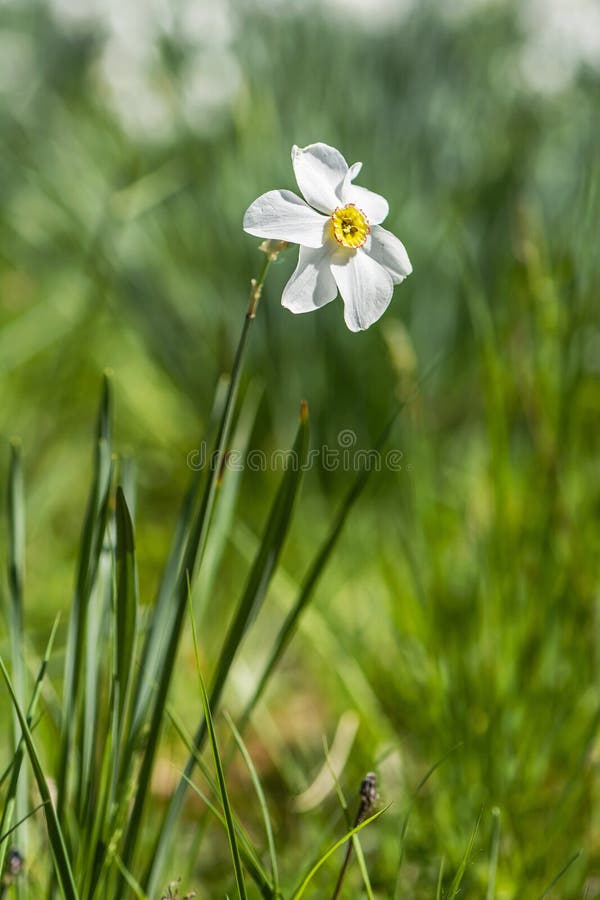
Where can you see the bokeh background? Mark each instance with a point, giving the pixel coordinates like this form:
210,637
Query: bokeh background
461,610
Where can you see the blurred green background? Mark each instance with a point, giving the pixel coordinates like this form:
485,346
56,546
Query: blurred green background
462,605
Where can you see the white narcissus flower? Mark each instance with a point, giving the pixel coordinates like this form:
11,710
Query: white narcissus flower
342,244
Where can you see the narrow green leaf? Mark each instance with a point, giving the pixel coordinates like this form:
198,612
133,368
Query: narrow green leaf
153,655
127,601
411,805
251,862
14,769
128,877
62,864
16,569
16,800
323,859
196,507
290,625
266,560
261,800
89,558
494,851
460,873
224,514
231,834
562,872
92,726
256,587
160,648
7,834
440,881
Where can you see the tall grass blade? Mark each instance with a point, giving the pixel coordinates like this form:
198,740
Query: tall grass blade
494,852
89,558
249,858
231,834
266,560
440,881
256,587
62,863
261,800
4,837
411,805
562,872
224,514
16,802
14,769
247,854
161,621
460,872
290,625
127,602
300,890
160,651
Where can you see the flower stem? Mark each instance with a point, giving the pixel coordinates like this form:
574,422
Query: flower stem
197,541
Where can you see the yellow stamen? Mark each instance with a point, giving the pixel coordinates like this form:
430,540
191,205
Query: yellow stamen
350,226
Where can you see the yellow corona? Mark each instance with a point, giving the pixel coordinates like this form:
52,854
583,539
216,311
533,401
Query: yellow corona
350,226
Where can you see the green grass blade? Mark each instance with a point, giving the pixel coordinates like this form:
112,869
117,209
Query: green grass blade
163,659
89,558
90,735
247,854
231,834
62,864
261,800
97,825
299,891
161,623
254,594
127,480
4,837
440,881
411,805
16,568
562,872
224,515
289,627
136,889
460,872
127,601
189,541
16,802
494,852
249,858
251,862
266,559
14,768
112,761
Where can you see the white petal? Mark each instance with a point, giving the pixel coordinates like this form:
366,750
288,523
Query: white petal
374,206
312,285
386,249
285,217
365,286
320,171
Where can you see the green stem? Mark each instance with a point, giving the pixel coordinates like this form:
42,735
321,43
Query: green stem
193,552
